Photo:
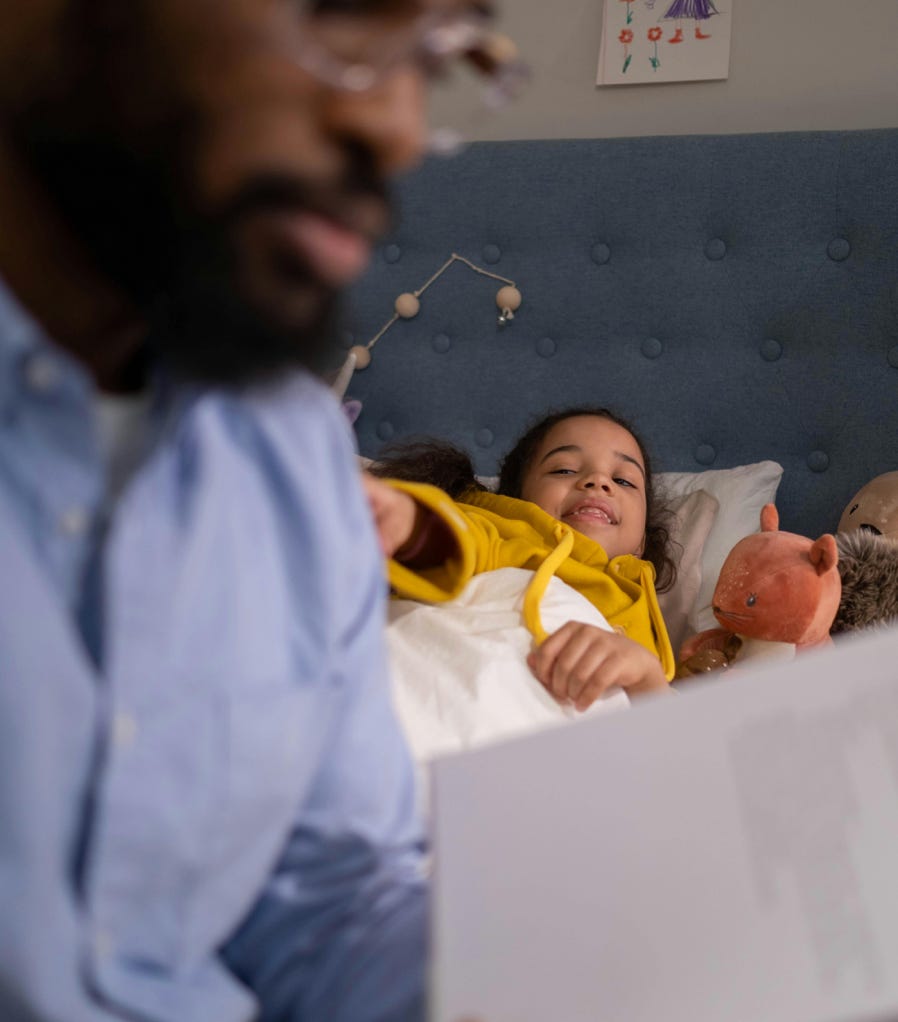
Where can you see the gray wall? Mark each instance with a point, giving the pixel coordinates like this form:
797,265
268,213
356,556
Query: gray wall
794,64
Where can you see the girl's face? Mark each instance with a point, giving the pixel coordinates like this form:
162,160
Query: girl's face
588,472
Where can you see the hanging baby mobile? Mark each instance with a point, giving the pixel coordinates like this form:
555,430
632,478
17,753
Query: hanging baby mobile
407,305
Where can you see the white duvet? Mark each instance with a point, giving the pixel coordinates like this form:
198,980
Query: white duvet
460,676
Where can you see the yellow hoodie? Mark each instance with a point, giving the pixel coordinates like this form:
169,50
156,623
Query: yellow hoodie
501,532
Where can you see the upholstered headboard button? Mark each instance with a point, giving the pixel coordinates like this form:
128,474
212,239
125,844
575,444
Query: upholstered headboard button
546,347
491,253
818,461
715,248
838,249
600,253
441,343
705,454
392,254
386,430
893,357
484,438
651,347
771,350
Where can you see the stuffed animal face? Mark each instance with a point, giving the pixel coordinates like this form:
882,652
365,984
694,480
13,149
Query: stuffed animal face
779,586
874,508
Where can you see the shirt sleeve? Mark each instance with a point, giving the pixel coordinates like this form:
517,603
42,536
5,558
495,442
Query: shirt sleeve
340,929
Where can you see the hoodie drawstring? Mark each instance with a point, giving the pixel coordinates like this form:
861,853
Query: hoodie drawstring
564,539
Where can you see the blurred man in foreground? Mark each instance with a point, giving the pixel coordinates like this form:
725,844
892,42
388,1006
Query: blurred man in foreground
206,807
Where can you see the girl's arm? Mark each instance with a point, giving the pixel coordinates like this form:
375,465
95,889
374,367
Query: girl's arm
409,532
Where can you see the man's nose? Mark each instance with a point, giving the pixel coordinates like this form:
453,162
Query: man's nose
390,120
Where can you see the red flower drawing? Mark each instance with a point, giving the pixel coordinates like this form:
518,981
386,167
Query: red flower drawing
626,37
654,35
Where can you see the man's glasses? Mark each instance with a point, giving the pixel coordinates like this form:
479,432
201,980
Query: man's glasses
339,52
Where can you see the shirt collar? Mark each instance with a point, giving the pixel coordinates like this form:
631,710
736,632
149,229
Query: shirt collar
22,338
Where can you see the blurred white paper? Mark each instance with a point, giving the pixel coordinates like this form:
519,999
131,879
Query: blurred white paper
727,853
664,41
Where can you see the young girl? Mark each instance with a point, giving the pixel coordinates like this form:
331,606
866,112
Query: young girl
575,500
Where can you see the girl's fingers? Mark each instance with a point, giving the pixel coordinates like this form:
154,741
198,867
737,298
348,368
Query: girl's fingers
580,662
567,660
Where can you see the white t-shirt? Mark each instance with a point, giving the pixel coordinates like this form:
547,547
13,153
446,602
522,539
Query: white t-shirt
123,427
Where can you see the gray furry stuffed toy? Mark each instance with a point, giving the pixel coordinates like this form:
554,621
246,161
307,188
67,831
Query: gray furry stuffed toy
868,564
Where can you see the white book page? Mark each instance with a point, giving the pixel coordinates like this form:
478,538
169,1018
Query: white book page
728,853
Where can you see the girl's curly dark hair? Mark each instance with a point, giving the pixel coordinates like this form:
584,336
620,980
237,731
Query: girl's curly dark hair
428,460
449,467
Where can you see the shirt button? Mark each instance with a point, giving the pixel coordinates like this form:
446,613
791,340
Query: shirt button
124,730
74,521
103,944
41,374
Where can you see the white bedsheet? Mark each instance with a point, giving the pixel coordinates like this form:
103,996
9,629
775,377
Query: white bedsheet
460,676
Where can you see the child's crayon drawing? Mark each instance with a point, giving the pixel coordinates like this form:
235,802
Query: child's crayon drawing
664,41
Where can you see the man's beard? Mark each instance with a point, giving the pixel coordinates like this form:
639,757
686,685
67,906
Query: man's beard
211,314
213,320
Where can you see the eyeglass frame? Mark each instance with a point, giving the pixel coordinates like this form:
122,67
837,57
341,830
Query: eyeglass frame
436,39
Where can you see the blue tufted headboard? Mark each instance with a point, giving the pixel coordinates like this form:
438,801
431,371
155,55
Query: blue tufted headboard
734,296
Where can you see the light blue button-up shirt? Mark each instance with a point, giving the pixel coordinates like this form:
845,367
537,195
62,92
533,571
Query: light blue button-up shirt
206,805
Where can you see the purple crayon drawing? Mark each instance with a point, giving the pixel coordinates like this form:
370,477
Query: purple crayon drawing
698,10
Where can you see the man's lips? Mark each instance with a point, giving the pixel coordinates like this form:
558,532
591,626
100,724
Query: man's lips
336,254
589,511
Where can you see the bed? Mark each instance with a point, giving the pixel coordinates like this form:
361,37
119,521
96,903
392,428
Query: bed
734,296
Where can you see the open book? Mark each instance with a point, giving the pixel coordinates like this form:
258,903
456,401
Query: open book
729,854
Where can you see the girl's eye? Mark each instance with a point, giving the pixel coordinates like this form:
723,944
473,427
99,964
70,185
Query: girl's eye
561,471
625,482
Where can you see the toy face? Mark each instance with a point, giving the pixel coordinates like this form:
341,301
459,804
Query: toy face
779,587
874,507
756,605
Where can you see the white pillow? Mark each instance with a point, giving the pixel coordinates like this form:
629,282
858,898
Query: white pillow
741,492
694,515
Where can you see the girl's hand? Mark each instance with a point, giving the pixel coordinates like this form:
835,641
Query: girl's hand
395,513
580,662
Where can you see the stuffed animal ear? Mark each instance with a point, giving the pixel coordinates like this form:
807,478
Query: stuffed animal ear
824,554
770,519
